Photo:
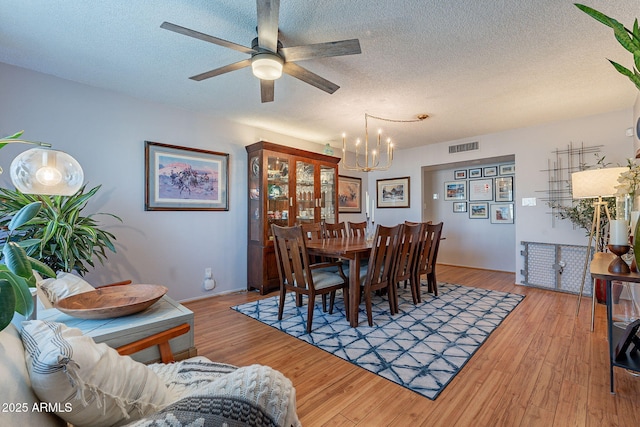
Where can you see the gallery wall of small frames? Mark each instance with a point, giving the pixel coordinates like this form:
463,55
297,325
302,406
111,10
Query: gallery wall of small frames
483,193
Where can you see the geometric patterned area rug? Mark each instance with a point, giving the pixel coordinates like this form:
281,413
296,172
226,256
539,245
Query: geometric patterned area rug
421,348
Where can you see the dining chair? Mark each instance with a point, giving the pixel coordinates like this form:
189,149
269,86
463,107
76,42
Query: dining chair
298,275
378,274
429,245
358,229
338,230
407,259
315,231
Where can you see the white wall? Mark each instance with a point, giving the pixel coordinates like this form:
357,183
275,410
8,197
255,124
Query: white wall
105,132
532,147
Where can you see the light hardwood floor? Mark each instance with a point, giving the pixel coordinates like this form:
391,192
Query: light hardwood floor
541,367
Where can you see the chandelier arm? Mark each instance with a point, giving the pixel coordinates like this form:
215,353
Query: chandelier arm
374,165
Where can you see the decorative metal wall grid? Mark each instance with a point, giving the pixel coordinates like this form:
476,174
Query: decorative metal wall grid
555,266
559,170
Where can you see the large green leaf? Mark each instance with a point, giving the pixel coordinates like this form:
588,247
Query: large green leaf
23,300
24,215
7,303
41,267
595,14
632,75
16,259
624,36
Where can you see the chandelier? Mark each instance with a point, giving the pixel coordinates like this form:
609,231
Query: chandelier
372,160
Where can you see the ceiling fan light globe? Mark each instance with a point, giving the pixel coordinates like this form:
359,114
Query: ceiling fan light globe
267,66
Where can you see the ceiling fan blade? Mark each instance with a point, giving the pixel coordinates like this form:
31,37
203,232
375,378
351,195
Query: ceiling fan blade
266,90
222,70
268,24
319,50
308,77
201,36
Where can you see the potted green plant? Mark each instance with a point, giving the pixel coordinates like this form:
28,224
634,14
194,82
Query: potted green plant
628,39
68,240
16,274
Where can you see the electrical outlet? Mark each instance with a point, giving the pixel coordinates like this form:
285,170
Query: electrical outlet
209,283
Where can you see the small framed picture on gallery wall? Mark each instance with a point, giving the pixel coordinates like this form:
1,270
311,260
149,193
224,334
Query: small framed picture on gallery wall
460,174
481,189
455,190
478,210
504,189
459,207
502,213
509,169
490,171
475,173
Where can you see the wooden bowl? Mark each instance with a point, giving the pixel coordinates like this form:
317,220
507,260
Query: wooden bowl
111,301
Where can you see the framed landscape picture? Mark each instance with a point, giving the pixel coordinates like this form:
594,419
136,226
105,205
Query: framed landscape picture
455,190
502,213
182,179
509,169
490,171
349,194
481,190
475,173
478,210
392,193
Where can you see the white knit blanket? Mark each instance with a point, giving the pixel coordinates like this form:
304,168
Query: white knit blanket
206,392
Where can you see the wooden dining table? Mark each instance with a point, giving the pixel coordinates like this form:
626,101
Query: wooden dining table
353,249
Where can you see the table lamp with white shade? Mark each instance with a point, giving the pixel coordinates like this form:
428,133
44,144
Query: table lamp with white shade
596,184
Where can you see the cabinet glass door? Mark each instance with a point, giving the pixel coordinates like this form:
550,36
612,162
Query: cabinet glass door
306,201
277,192
328,194
255,198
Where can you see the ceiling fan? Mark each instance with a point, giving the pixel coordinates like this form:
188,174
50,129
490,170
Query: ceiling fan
268,57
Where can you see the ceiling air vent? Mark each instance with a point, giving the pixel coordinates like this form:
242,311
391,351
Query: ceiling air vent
468,146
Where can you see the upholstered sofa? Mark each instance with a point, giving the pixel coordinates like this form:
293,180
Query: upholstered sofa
65,377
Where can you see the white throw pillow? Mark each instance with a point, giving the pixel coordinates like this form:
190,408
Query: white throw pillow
64,285
90,384
20,406
43,300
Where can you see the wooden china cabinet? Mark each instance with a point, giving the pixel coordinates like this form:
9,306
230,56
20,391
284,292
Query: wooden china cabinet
287,187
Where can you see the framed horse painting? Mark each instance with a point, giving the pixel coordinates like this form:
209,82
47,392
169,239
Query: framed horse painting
184,179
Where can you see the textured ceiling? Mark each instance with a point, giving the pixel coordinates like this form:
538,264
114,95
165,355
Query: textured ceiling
475,67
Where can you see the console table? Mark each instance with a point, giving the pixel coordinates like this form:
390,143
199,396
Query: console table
116,332
624,345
